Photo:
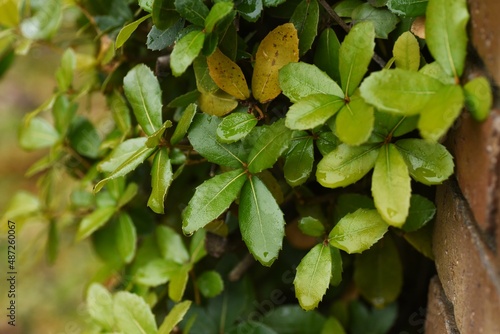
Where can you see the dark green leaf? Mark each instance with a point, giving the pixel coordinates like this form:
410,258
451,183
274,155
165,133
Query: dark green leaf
216,14
94,221
161,39
204,81
261,221
126,237
161,178
184,100
349,203
211,199
393,124
45,22
173,317
478,98
37,133
337,269
411,8
128,30
144,94
345,8
378,273
305,18
83,137
374,321
164,14
100,305
311,226
332,325
312,111
326,142
354,122
299,161
407,52
346,165
132,314
210,283
421,212
184,123
273,3
195,11
250,9
235,127
291,319
421,240
383,20
326,56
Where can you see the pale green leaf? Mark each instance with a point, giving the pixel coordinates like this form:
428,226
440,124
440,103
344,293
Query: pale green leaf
156,272
64,74
197,246
126,237
261,221
391,189
313,276
211,199
37,133
173,317
235,127
311,226
171,245
210,283
128,30
216,14
184,100
346,165
435,71
161,178
204,81
144,94
178,282
45,22
93,221
21,204
326,56
185,51
217,104
132,314
312,111
358,231
354,122
305,18
299,161
478,98
100,305
195,11
407,52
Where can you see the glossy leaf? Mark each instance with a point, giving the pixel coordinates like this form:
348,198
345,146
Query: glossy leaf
326,56
173,317
391,189
132,314
272,142
211,199
446,34
299,161
399,91
128,30
147,5
161,178
93,221
210,283
383,20
227,74
261,221
346,165
478,98
45,22
178,283
327,142
428,162
216,14
202,135
358,231
278,48
355,55
186,50
37,133
311,226
354,122
195,11
217,104
313,276
378,273
235,127
312,111
100,305
144,94
164,14
407,52
299,80
440,113
421,212
305,18
171,245
182,127
156,272
250,9
160,39
121,153
412,8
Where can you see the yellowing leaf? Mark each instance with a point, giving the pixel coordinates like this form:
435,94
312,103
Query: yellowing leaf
278,48
227,75
217,104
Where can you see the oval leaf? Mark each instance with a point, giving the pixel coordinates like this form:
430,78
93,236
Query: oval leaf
478,98
37,133
235,127
326,56
391,189
185,51
132,314
311,226
299,161
407,52
358,231
346,165
216,14
100,305
305,18
161,178
313,276
312,111
227,74
261,221
354,122
94,221
278,48
383,20
421,212
210,283
211,199
217,104
156,272
195,11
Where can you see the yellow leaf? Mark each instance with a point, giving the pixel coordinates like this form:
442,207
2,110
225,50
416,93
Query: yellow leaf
217,104
278,48
227,75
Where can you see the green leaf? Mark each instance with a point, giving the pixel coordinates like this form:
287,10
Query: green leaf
326,142
120,111
337,268
132,314
64,73
211,199
299,80
37,133
346,165
299,161
250,9
93,221
184,123
312,111
407,52
383,20
210,283
126,237
52,244
311,226
378,273
178,283
349,203
358,231
9,13
399,91
202,135
421,240
155,139
326,56
45,22
160,39
204,81
313,276
345,8
273,3
171,246
305,18
128,30
84,138
410,8
100,305
156,272
354,122
216,14
421,212
374,320
184,100
261,221
292,319
173,317
446,34
478,98
121,153
435,71
272,142
428,162
197,246
441,112
333,325
355,55
194,11
185,51
147,5
391,189
144,94
164,14
161,178
235,127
